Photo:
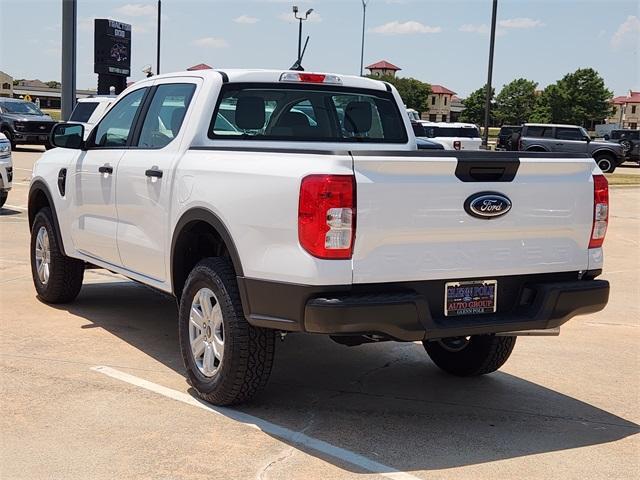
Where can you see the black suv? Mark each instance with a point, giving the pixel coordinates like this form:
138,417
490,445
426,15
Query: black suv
23,122
629,140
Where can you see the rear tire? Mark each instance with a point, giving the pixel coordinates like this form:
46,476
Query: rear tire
3,197
57,278
472,356
228,361
606,163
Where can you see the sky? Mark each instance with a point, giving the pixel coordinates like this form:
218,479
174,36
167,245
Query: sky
442,42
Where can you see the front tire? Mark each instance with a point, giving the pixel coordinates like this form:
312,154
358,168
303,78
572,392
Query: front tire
3,197
470,356
57,278
228,361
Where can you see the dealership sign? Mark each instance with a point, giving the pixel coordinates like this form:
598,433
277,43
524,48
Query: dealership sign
112,47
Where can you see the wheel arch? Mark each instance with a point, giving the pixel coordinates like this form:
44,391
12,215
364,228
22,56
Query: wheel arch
198,233
605,151
536,148
40,197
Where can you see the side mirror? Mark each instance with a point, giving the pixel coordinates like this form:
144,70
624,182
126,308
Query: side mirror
68,135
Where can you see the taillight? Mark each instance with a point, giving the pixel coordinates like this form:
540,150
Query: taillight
600,211
456,145
326,215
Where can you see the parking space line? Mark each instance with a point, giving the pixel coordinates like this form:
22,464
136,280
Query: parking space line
24,209
292,436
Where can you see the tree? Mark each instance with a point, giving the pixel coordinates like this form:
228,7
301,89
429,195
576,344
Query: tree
415,94
474,106
516,101
53,84
578,98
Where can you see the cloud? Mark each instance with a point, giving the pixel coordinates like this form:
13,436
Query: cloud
627,33
468,27
521,22
211,42
406,28
136,10
246,19
289,18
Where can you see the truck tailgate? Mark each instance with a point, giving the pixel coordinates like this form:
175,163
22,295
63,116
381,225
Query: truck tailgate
412,223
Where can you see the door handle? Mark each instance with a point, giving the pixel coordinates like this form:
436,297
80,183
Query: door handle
153,172
105,169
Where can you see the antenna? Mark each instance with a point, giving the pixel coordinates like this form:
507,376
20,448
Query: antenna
298,64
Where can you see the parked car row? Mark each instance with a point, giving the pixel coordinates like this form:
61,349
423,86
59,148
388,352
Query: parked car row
545,137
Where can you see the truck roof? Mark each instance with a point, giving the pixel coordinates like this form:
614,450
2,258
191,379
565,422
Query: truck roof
273,76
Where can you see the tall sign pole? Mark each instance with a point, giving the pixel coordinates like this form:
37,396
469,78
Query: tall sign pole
69,35
487,105
158,46
364,19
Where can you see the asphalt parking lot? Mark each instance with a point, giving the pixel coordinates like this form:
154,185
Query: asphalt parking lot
95,389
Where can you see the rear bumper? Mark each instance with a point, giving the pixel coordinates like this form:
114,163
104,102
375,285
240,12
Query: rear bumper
414,311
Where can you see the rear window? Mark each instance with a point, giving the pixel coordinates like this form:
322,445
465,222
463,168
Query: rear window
307,113
464,132
83,111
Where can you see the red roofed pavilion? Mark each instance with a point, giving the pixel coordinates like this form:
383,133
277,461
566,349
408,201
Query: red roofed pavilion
200,66
383,68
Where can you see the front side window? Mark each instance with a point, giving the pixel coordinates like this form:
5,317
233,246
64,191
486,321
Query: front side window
83,111
166,114
115,128
307,113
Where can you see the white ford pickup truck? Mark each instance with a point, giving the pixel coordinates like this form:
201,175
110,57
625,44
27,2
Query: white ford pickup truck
269,202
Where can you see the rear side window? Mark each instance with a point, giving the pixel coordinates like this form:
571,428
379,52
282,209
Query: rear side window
540,132
83,111
307,113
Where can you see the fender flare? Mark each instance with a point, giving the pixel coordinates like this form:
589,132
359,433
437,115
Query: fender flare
205,215
36,187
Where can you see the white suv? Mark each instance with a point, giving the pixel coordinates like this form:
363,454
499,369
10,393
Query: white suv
453,136
6,168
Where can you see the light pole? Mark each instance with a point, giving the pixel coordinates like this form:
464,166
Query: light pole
158,44
487,105
300,20
69,42
364,18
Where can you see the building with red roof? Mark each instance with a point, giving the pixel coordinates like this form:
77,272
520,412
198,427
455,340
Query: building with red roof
626,110
440,102
200,66
440,99
383,68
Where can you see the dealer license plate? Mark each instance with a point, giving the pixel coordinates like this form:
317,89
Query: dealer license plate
473,297
43,137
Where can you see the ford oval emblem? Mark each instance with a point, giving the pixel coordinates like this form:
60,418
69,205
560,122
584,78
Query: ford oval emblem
487,205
